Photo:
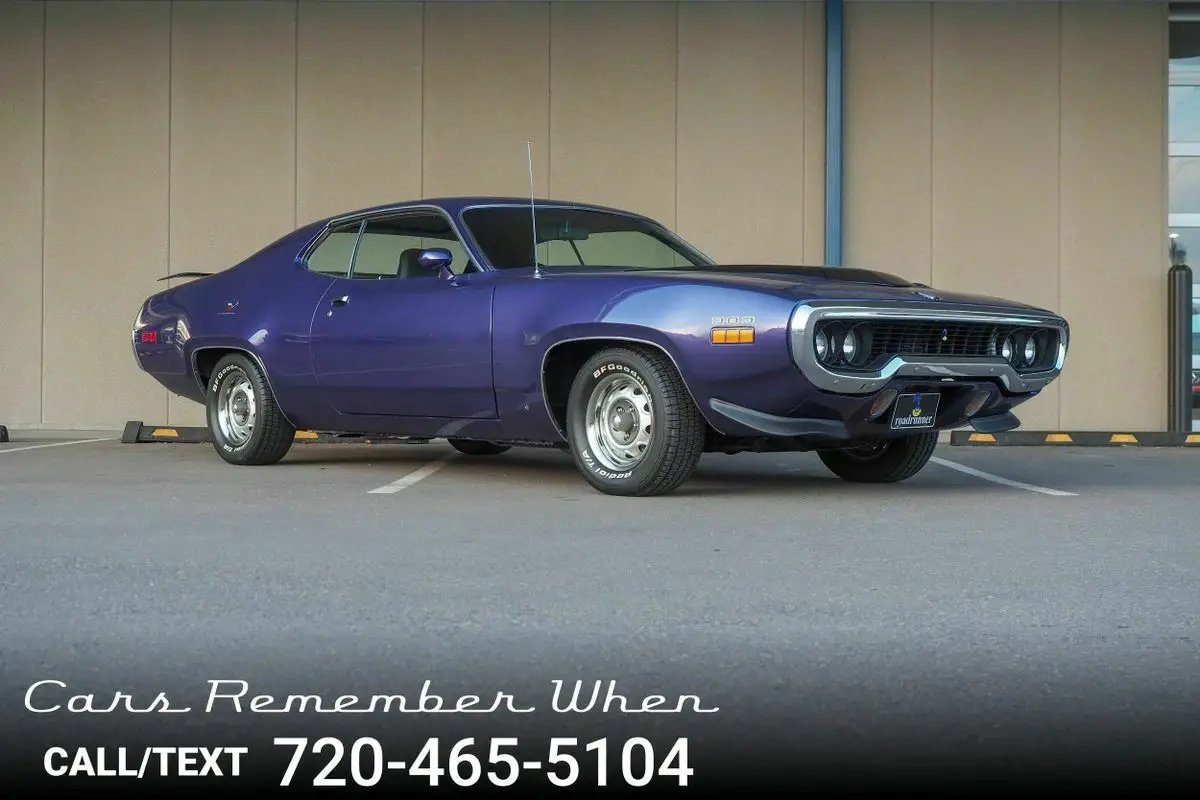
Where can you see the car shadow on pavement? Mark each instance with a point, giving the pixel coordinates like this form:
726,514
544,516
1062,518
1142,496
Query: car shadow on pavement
716,474
783,480
308,455
1076,471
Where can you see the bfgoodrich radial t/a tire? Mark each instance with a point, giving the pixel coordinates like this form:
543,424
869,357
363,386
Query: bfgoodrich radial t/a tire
885,461
632,426
246,424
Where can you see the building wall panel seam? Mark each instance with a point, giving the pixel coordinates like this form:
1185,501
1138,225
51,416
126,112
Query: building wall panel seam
1061,41
42,322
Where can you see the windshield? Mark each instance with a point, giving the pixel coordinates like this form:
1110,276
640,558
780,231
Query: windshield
572,237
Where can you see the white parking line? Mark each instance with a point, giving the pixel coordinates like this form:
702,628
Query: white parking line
414,476
987,476
52,444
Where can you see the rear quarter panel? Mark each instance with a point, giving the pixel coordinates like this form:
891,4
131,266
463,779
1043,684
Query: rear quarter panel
264,306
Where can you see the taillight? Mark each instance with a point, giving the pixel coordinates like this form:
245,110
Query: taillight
149,337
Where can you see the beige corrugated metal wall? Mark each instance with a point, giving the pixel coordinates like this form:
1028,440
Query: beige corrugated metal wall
1008,148
186,135
1019,149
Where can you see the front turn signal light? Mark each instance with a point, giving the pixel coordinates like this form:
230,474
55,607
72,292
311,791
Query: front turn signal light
732,336
882,402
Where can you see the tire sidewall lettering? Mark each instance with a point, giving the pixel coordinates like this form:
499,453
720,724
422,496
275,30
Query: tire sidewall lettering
623,368
601,471
216,381
612,476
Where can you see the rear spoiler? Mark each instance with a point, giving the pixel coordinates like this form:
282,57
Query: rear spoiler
186,275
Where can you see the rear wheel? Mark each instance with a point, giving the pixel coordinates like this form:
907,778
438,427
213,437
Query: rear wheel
632,426
882,461
244,420
471,447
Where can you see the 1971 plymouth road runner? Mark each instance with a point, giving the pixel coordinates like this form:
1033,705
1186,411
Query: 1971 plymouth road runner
619,342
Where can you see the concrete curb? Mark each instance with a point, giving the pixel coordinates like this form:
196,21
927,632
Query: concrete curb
1075,439
137,432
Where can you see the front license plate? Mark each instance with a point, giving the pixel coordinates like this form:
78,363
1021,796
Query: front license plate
917,410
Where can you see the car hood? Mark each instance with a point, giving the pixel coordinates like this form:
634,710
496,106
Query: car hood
803,283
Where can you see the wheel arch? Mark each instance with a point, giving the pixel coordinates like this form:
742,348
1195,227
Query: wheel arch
562,361
205,358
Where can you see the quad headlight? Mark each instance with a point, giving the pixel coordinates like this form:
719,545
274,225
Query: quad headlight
1025,348
1031,351
843,345
849,346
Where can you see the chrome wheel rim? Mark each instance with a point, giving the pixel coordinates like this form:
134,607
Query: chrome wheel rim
236,410
619,422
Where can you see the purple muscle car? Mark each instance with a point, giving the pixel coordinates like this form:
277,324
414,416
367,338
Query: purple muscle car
497,322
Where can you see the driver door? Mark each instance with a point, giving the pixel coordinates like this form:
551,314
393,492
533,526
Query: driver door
394,339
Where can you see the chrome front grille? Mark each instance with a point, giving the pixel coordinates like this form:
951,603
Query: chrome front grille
936,339
857,348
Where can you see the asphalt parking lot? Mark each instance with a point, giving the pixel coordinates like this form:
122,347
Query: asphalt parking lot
1006,605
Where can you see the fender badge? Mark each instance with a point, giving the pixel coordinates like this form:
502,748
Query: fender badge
927,295
230,308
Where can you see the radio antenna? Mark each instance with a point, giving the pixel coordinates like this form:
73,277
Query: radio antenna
537,272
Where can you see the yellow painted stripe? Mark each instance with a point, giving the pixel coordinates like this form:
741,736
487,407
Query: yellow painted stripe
981,437
1058,437
165,432
1127,438
306,434
1193,438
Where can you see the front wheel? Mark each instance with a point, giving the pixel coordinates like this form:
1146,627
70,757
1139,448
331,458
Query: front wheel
631,424
246,425
883,461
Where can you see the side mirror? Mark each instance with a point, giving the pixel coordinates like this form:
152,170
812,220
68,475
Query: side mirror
436,259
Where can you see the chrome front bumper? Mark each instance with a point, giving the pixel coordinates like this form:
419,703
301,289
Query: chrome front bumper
804,318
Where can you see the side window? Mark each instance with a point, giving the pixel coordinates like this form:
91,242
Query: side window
390,246
332,255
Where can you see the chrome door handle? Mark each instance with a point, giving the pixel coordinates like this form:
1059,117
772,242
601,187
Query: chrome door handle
340,301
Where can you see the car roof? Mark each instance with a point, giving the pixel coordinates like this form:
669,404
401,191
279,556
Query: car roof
456,204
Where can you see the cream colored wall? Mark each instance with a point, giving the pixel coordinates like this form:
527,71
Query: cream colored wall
1018,149
751,122
183,136
106,203
21,181
487,79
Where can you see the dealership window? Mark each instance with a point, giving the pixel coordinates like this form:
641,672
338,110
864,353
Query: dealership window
1183,154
